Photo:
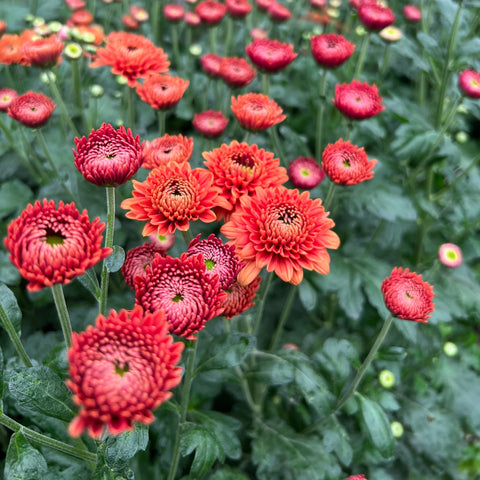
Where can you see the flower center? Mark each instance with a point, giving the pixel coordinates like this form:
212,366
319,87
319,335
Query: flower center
286,215
209,264
243,160
121,370
54,238
177,298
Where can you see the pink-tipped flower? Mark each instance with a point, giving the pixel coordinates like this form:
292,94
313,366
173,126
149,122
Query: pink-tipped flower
240,298
7,96
375,16
305,173
211,64
163,242
358,101
469,83
331,50
412,13
31,109
210,11
137,259
173,13
270,55
210,124
236,72
450,255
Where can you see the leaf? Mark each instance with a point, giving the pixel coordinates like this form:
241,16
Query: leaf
41,390
9,309
335,439
120,449
1,380
23,462
10,274
115,260
228,473
390,204
336,356
14,195
377,426
308,295
90,282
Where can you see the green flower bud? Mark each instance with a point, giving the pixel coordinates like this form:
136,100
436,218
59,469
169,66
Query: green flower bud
386,378
450,349
55,26
73,51
37,21
461,137
397,429
96,91
121,80
195,50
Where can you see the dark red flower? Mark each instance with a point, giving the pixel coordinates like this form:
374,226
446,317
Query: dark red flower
162,91
210,11
240,298
469,83
357,100
236,72
412,13
331,50
305,173
137,259
108,157
407,296
278,12
7,96
375,16
31,109
211,64
210,124
184,290
169,148
52,245
121,370
270,55
173,12
346,164
238,8
43,52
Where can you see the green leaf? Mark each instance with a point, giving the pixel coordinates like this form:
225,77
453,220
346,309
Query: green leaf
308,295
377,426
115,260
90,282
23,462
1,379
228,473
14,195
206,446
41,390
390,204
335,439
120,449
10,274
9,307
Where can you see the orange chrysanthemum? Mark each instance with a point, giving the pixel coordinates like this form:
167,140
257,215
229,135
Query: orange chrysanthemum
169,148
172,196
162,91
240,298
238,169
131,55
282,230
11,50
120,370
256,112
43,52
52,245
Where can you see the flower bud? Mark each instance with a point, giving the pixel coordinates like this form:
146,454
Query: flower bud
386,379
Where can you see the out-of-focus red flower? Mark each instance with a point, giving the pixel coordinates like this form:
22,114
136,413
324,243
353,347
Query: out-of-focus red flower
162,92
358,101
210,11
81,17
347,164
238,169
258,33
3,27
121,370
184,290
43,52
450,255
282,230
407,296
11,51
375,16
173,12
7,96
356,4
331,50
270,55
412,13
211,64
164,242
357,477
264,4
172,196
469,83
210,124
108,157
75,4
137,259
236,72
240,298
238,8
130,22
278,12
169,148
256,112
192,19
139,13
31,109
52,245
305,173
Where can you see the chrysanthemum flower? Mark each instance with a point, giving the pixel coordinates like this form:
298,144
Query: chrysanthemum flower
81,17
108,157
282,230
130,22
173,12
236,72
139,13
258,33
305,173
347,164
256,112
356,4
210,11
238,8
7,96
211,64
390,34
75,4
172,196
270,55
357,100
412,13
192,19
264,4
137,259
331,50
407,296
11,51
169,148
52,245
43,52
121,370
238,168
131,55
162,91
240,298
450,255
375,16
357,477
279,12
184,290
31,109
210,124
219,259
469,83
163,242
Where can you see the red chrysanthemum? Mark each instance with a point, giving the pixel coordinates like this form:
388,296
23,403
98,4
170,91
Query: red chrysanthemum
130,22
357,100
137,259
75,4
412,13
31,109
173,12
139,13
256,112
279,12
331,50
210,124
81,17
121,370
7,96
264,4
108,157
356,4
357,477
375,16
347,164
172,196
211,64
407,296
219,259
282,230
238,8
169,148
52,245
192,19
236,72
469,83
131,55
240,298
238,168
162,91
305,173
184,290
210,11
270,55
43,52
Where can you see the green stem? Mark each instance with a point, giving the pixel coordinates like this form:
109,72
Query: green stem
15,338
110,227
29,153
187,236
161,117
320,111
248,136
261,304
176,50
77,93
212,35
362,55
156,15
375,235
131,108
330,194
385,59
62,311
229,35
284,317
265,83
276,145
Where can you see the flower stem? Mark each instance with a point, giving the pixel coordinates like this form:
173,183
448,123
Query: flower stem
29,153
362,55
276,145
261,304
131,108
187,237
265,83
62,311
212,35
161,117
176,50
110,191
320,111
330,194
284,317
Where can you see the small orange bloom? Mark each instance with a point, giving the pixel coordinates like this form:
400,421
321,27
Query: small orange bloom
162,91
11,47
43,52
169,148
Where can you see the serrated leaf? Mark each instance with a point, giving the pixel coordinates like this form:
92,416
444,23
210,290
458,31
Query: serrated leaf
9,309
90,282
41,390
115,260
390,204
14,195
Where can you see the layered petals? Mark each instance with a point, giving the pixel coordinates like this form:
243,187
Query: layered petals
358,101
